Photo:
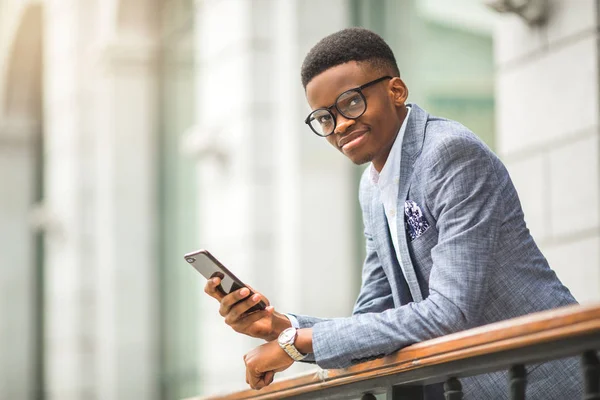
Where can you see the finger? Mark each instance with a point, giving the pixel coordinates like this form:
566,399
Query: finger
231,299
242,324
266,301
261,382
269,375
211,288
236,312
254,380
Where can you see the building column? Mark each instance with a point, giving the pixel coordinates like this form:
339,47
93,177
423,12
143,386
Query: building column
234,177
127,298
18,289
316,186
548,134
68,263
277,205
21,305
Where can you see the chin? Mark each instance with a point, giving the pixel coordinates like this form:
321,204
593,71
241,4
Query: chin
360,159
359,155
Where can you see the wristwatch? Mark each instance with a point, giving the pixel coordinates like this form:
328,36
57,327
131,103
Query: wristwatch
286,341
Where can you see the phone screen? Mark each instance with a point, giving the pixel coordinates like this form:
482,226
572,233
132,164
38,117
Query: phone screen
210,267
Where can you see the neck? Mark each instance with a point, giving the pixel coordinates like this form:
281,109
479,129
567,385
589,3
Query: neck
402,111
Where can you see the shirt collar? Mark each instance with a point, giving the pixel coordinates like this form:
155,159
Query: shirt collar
386,176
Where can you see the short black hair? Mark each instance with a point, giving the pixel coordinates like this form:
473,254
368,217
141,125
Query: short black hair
351,44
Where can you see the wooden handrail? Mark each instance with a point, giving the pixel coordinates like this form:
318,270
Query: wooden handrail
532,338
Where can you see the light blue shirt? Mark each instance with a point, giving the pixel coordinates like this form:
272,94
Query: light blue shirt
388,182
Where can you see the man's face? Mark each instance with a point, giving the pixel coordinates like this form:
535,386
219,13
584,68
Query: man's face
371,136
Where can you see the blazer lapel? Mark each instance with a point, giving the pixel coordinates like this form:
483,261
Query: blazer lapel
385,249
411,147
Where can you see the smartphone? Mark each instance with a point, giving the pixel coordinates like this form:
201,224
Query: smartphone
210,267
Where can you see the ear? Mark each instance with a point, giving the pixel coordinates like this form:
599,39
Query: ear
399,91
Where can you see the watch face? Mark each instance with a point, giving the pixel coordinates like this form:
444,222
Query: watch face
287,335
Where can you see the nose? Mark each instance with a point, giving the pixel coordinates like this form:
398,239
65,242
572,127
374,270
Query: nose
342,124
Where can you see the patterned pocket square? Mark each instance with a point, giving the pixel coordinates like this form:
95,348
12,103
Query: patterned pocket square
415,222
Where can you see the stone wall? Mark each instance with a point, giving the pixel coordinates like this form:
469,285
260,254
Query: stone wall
548,134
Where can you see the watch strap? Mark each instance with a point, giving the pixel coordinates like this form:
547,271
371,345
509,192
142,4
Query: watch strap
293,352
287,344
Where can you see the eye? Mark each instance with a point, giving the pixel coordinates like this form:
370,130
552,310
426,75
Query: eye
324,119
350,101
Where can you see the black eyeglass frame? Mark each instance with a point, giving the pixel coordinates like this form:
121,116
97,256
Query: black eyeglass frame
328,109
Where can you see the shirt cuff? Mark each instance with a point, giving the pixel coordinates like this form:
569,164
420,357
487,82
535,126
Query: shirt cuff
293,320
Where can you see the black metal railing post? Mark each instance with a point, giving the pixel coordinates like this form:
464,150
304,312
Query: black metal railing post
591,375
453,389
404,392
517,376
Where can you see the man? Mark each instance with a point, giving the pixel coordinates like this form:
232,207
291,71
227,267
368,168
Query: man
447,244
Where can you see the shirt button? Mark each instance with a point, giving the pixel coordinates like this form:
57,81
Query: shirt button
392,213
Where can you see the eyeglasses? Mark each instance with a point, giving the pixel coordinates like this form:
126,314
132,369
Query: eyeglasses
351,104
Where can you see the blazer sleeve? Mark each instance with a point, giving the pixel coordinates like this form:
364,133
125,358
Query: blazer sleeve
464,194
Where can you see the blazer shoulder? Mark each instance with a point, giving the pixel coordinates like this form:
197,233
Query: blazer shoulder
445,138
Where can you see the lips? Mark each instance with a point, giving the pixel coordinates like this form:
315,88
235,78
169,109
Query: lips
350,137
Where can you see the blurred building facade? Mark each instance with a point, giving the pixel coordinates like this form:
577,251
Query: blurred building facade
547,96
132,132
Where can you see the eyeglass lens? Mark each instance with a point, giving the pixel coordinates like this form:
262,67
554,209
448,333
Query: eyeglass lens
350,104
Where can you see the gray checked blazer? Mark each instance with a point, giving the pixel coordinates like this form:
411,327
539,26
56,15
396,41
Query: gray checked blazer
468,256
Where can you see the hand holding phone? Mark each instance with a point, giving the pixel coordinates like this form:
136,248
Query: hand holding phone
240,310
